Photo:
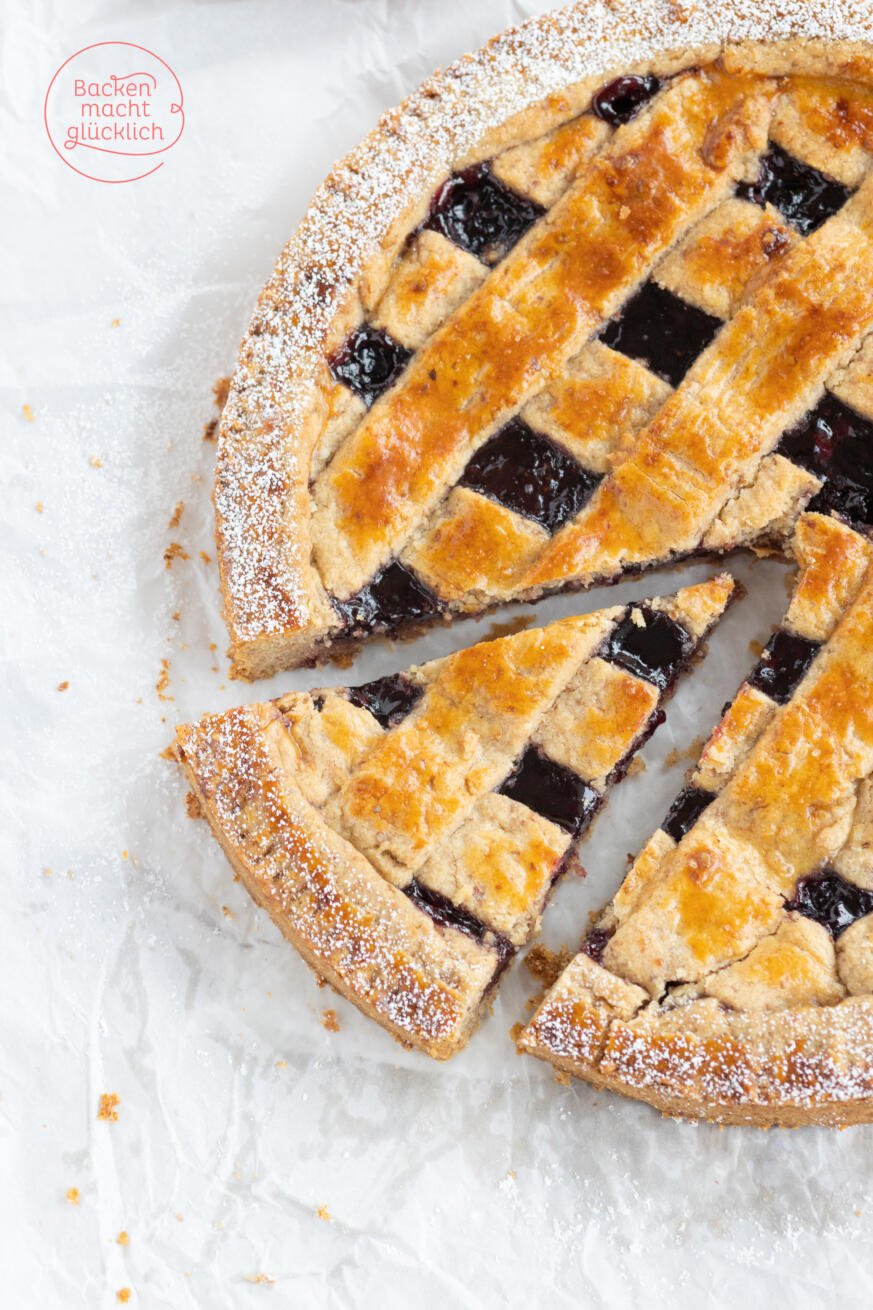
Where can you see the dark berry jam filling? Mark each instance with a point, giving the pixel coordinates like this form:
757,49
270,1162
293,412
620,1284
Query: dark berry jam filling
662,331
481,214
831,901
685,811
368,361
448,915
596,943
785,660
394,597
805,196
655,650
558,794
620,101
836,444
388,699
528,473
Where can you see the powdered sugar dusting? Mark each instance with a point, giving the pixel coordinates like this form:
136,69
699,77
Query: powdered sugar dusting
264,547
426,984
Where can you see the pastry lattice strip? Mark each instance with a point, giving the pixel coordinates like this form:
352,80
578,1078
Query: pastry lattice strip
406,834
748,916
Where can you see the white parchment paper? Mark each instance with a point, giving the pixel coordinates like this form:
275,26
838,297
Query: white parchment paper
259,1159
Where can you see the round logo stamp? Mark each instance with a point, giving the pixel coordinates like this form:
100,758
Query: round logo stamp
113,110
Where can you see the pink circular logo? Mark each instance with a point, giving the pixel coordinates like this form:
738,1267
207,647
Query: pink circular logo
113,110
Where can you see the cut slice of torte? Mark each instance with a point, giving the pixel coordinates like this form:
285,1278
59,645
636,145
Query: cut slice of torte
731,977
406,834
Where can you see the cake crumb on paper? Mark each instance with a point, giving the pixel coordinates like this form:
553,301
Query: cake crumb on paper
116,322
96,462
510,627
193,808
62,686
227,911
323,1213
27,412
108,1111
545,965
176,516
260,1280
123,1238
123,1295
330,1021
163,681
39,507
73,1195
173,552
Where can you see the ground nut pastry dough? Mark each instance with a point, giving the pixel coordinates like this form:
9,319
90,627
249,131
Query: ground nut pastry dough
406,834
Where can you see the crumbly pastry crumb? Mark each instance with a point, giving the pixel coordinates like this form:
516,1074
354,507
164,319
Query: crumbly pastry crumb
546,965
330,1021
176,516
108,1109
323,1213
163,681
173,552
73,1195
193,808
123,1238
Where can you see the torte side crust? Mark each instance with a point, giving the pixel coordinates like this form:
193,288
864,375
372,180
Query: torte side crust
767,1070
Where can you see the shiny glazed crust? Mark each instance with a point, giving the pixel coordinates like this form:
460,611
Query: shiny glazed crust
284,406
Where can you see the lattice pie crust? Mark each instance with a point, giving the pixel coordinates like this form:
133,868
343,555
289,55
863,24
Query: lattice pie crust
598,298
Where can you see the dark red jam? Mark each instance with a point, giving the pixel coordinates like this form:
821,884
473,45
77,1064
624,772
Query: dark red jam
528,473
481,214
557,793
655,650
662,331
806,197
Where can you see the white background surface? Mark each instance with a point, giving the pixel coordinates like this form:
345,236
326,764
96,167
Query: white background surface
482,1184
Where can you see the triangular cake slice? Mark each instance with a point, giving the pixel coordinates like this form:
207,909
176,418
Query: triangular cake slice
405,835
731,977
